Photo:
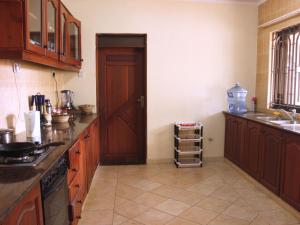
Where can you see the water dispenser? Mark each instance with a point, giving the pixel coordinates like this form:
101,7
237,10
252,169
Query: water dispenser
237,99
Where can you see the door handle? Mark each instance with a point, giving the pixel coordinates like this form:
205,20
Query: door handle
141,100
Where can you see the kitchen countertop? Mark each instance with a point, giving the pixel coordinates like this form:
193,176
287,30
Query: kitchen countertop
253,117
16,182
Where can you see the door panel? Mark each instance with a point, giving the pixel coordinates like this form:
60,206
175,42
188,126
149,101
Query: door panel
123,117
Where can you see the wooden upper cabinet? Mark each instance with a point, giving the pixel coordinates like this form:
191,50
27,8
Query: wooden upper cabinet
40,31
70,38
34,26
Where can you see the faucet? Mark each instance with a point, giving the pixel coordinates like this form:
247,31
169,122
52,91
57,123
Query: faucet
291,116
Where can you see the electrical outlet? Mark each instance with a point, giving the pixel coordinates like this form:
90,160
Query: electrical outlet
52,71
16,68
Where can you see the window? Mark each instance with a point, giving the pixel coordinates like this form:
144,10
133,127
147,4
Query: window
285,74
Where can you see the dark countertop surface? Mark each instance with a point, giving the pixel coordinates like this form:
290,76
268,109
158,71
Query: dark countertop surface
255,117
16,182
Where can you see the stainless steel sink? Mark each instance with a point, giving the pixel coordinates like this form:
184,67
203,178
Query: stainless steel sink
268,118
285,122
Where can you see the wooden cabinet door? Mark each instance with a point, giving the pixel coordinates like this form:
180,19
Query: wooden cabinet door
83,169
35,26
74,41
52,28
290,173
250,154
271,149
234,138
29,211
64,15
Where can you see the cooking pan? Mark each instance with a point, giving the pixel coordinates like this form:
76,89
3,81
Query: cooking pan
19,149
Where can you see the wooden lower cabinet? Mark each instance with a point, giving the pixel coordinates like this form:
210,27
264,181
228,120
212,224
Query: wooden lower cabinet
84,160
234,140
270,155
251,151
290,172
29,211
271,149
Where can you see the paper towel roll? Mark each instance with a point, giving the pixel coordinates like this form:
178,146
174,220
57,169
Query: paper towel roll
33,124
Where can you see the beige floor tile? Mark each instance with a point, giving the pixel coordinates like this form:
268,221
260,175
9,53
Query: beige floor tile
118,219
162,194
226,193
214,204
172,207
262,204
145,185
198,215
128,192
189,197
132,222
154,217
204,189
178,221
241,210
130,209
97,217
167,191
277,217
150,199
100,203
227,220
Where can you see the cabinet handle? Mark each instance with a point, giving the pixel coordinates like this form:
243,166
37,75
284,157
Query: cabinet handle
79,201
45,46
78,217
78,152
86,137
77,185
74,170
81,60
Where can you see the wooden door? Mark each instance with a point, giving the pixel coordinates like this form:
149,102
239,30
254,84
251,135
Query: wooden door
122,105
290,173
271,149
250,154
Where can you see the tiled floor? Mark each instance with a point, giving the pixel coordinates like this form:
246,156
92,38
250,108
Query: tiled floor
162,194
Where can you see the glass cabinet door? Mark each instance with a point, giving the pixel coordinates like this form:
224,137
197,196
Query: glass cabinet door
35,21
51,26
63,35
74,41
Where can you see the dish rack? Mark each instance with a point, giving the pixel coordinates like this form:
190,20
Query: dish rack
188,141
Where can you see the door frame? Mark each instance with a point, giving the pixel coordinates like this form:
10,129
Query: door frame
111,40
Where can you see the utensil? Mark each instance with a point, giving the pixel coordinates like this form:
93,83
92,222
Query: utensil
86,109
6,136
60,118
19,149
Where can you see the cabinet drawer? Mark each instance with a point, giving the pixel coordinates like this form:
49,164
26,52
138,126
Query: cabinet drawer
73,161
75,209
74,188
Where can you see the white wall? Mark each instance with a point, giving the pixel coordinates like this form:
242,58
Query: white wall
196,51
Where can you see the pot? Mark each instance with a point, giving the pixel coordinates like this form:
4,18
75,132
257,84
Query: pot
6,136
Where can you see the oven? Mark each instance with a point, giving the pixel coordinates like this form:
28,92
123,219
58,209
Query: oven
55,198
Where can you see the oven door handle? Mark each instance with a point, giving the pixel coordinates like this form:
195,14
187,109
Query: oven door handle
56,186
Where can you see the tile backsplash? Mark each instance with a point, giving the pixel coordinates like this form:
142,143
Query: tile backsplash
16,87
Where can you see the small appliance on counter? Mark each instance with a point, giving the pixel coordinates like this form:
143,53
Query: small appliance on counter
67,98
237,99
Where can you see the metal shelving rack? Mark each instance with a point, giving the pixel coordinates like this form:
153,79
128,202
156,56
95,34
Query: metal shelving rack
188,141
